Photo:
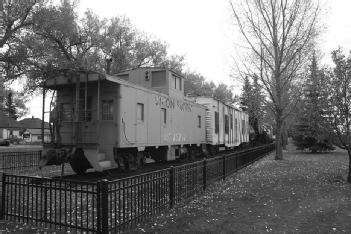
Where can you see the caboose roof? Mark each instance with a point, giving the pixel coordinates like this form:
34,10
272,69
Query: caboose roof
69,78
66,76
212,99
149,68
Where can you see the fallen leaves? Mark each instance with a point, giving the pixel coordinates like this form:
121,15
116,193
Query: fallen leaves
302,193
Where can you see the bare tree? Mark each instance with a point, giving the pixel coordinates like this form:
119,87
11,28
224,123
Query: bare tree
279,34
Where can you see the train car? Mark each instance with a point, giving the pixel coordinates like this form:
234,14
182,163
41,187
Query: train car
102,121
226,126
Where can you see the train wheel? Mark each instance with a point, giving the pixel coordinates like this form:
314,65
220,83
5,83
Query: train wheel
186,155
79,163
121,162
192,153
140,159
133,161
128,161
213,150
79,170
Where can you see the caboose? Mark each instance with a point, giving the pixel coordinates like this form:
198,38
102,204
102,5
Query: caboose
103,121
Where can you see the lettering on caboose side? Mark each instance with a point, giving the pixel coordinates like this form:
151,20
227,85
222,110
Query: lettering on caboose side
183,106
175,137
170,103
164,102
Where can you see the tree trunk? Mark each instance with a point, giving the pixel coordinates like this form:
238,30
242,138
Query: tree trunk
349,176
255,127
284,137
278,141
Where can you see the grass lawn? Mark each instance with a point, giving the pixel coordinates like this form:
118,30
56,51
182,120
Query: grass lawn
304,193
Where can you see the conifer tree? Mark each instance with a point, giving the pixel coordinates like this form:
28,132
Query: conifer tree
10,107
246,94
15,104
311,129
251,100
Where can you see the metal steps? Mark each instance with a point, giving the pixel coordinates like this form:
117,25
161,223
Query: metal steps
98,160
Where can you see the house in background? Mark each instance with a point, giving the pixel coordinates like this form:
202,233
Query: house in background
9,128
32,130
4,132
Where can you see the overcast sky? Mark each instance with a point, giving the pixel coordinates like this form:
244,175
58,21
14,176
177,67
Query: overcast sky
202,30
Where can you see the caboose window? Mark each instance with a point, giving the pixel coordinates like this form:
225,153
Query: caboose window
67,112
236,127
158,78
85,106
177,82
107,110
216,122
164,116
243,127
231,122
199,121
226,124
140,112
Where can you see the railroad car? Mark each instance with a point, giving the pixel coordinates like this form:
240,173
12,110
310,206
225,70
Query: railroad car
226,126
103,121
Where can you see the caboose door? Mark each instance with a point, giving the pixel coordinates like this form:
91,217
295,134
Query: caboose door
141,118
107,136
163,125
86,117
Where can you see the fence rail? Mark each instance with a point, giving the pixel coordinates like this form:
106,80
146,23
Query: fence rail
113,206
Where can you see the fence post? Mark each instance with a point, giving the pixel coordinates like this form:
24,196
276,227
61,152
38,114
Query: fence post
38,160
236,162
224,168
3,195
204,174
102,219
44,189
171,187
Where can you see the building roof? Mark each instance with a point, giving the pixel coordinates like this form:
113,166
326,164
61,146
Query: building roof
3,120
38,131
15,124
33,123
7,122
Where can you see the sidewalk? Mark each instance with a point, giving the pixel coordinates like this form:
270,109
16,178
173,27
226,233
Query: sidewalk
304,193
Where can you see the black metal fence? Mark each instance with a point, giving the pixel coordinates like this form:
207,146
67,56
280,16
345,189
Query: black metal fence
56,204
19,160
113,206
